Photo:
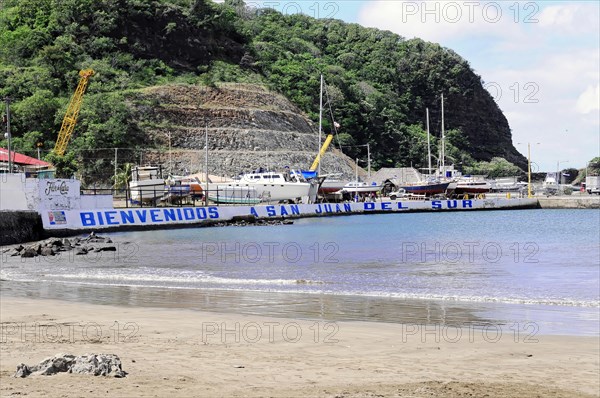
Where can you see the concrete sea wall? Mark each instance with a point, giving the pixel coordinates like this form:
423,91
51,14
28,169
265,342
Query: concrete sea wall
20,226
570,202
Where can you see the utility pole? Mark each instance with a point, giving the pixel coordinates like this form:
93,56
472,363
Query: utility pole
8,137
529,170
369,160
116,151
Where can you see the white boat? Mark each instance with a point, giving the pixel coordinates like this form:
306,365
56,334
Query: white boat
505,184
147,184
472,185
275,186
361,187
235,195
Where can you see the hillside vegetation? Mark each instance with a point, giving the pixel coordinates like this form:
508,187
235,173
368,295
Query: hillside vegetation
378,83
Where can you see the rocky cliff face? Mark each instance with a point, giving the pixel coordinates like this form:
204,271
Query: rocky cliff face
248,127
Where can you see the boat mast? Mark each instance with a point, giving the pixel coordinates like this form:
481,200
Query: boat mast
428,145
320,123
443,148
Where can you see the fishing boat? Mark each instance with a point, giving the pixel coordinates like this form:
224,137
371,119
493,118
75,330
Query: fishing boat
147,184
235,195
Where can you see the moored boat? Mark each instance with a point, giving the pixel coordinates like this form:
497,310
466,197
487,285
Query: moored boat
147,184
275,186
471,185
427,188
234,195
361,187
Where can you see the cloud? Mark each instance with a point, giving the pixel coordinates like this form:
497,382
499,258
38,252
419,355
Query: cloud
571,18
589,100
540,61
437,21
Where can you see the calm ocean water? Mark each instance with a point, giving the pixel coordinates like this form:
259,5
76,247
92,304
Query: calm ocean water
532,265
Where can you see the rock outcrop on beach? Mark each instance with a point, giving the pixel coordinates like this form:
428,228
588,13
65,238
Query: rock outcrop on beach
91,364
54,246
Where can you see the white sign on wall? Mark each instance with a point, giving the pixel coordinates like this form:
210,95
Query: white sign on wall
59,194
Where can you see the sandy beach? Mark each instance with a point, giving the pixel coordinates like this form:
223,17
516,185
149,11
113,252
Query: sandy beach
183,353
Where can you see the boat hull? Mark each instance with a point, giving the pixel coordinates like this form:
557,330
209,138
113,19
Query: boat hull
427,189
278,192
472,189
147,190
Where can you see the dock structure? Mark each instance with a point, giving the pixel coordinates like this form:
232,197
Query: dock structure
61,208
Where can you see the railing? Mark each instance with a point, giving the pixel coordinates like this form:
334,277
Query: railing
169,197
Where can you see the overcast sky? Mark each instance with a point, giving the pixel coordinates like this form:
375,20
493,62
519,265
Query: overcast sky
539,60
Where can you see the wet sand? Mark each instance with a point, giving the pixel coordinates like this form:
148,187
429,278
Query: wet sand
182,353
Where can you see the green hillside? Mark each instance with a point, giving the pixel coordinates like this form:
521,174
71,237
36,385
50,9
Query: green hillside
379,84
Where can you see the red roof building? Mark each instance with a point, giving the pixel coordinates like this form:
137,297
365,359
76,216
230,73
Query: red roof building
20,159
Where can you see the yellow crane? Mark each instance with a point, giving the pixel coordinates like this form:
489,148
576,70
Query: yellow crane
322,152
70,119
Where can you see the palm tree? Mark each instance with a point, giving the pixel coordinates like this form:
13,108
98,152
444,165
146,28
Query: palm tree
122,178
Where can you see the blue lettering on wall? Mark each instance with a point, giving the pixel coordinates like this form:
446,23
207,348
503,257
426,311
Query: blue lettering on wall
467,203
87,219
169,215
436,204
318,210
110,218
452,204
386,206
127,216
369,206
271,211
188,213
100,219
201,213
400,207
142,215
295,209
179,216
213,212
347,207
154,216
253,212
283,211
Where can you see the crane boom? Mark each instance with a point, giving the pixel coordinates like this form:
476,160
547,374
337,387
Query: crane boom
70,119
322,152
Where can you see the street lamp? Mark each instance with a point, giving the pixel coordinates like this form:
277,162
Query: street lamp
168,135
7,135
529,194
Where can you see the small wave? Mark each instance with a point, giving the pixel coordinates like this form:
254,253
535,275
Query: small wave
179,279
271,285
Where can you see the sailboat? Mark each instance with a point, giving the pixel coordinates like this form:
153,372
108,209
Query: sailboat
432,185
330,183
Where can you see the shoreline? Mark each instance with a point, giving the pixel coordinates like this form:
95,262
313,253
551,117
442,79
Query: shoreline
274,214
180,352
502,317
